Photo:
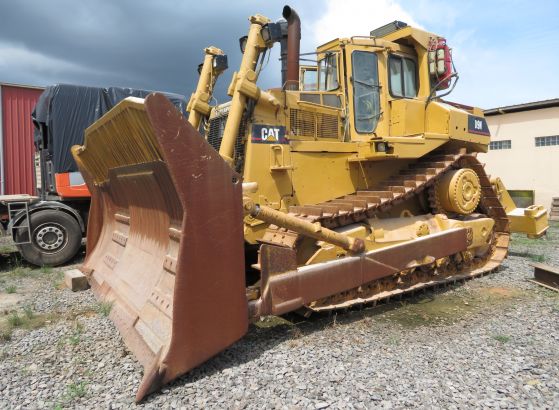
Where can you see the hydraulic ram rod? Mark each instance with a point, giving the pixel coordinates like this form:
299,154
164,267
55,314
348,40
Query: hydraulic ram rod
314,230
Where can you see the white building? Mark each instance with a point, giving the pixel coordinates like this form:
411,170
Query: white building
524,150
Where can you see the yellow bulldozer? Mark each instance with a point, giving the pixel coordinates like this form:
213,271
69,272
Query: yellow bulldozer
351,183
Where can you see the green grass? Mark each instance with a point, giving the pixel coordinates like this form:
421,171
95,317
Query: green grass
5,334
76,390
76,336
272,321
21,271
537,257
45,269
75,339
29,314
522,240
393,341
104,308
502,338
4,249
430,310
29,320
17,272
11,289
521,244
533,256
15,320
57,278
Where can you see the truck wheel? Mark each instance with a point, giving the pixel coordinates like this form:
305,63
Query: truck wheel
55,238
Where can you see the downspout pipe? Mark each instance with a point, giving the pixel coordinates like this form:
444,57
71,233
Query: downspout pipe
293,47
2,182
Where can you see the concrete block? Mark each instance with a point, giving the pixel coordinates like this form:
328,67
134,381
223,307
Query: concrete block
75,280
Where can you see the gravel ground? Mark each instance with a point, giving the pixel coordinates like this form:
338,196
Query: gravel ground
493,342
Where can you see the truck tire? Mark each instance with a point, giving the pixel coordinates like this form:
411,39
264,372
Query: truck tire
55,238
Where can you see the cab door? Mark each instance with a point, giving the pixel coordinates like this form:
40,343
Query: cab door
364,93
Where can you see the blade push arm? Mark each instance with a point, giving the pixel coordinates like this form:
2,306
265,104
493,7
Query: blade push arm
243,85
314,230
215,63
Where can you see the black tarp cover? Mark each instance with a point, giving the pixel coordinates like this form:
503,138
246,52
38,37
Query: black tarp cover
64,111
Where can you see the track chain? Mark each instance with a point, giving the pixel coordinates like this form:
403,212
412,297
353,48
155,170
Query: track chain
364,204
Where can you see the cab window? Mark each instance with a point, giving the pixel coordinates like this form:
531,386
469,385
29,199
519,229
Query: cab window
308,79
366,99
328,73
403,77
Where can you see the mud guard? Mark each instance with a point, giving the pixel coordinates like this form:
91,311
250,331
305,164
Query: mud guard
165,241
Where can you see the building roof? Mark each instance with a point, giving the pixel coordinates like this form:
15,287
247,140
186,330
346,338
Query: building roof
536,105
35,87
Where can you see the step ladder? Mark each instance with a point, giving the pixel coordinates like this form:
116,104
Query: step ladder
15,208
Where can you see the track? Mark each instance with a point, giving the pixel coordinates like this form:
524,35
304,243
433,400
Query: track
411,181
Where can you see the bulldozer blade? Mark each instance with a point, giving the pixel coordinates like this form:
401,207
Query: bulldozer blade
165,238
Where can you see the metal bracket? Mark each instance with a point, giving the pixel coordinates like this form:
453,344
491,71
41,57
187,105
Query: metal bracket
19,208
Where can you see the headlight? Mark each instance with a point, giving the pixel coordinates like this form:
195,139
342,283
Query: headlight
243,43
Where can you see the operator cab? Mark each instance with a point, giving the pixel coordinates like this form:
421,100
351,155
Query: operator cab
381,83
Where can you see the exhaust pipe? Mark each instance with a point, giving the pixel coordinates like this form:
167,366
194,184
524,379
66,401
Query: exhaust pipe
293,47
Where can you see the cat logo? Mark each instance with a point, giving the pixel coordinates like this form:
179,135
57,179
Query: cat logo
268,134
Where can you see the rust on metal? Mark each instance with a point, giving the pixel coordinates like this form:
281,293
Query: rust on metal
150,249
546,276
291,290
293,47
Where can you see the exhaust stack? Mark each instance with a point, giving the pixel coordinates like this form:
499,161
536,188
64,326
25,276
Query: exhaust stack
293,48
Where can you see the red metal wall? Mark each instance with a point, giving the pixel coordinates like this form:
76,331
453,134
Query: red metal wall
17,129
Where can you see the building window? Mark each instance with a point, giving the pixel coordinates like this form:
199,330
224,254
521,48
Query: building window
505,144
546,141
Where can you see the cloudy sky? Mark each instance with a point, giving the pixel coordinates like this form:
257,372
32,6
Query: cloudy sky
505,50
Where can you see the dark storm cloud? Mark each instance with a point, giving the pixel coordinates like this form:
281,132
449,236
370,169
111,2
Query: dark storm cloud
140,44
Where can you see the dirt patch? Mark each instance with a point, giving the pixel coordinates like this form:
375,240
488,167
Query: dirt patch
437,308
27,320
500,292
447,308
9,300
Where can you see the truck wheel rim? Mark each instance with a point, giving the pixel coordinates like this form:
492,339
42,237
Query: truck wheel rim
50,237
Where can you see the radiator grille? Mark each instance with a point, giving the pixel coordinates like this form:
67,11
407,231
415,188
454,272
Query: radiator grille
328,126
311,124
215,135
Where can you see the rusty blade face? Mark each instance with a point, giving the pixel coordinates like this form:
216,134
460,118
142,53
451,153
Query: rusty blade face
165,240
